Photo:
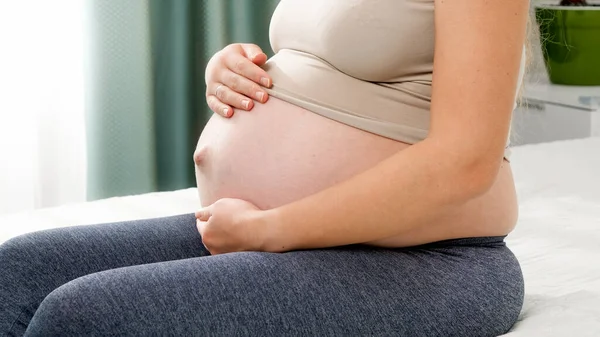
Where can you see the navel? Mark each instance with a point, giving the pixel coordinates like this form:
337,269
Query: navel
200,155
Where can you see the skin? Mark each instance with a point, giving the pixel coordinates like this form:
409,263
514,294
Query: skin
477,59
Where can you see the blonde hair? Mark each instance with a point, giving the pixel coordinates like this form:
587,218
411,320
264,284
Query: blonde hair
530,59
530,36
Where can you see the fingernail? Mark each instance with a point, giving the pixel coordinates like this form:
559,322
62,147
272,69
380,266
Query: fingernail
261,96
265,81
246,104
226,112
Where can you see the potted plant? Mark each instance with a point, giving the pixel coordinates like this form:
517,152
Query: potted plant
570,37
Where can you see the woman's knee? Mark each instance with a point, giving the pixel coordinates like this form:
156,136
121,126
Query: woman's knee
35,244
34,264
19,245
24,253
25,278
72,309
113,302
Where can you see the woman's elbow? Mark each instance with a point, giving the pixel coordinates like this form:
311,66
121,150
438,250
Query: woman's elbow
471,170
477,177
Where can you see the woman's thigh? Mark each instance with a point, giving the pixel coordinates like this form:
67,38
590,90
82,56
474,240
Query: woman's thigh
353,290
33,265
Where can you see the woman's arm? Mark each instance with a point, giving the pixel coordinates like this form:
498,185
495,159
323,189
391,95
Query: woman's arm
478,52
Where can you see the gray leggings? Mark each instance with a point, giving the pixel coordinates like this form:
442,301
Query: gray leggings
153,277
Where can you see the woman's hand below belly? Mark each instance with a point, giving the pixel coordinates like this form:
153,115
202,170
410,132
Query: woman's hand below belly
278,153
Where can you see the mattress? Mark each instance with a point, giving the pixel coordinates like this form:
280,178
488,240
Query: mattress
557,240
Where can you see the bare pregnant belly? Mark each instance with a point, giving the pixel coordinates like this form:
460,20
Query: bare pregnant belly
278,153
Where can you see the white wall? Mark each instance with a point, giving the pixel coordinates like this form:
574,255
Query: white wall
42,147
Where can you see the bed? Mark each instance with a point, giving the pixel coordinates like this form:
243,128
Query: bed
557,240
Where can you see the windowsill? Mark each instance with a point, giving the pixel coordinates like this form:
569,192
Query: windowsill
585,98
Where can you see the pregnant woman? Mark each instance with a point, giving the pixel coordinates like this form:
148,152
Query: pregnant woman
357,183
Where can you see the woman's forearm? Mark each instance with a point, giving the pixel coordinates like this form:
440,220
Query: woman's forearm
407,190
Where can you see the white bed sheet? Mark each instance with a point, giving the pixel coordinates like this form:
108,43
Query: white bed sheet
557,240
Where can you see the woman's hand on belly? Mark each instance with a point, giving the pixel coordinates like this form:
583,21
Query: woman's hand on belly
233,79
229,225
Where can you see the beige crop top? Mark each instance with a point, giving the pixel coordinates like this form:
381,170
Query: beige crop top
364,63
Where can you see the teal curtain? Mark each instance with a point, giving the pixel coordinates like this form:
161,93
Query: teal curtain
145,85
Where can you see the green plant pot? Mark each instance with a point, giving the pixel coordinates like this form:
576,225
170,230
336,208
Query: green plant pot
570,39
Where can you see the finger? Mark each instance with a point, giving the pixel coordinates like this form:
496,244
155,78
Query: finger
244,86
246,68
254,53
203,214
200,225
259,59
232,98
218,107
